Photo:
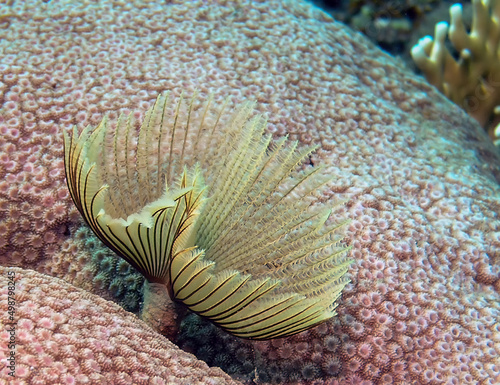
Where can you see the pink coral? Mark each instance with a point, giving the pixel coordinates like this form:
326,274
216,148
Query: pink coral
65,335
420,177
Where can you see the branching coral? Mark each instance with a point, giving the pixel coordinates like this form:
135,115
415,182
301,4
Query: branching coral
245,248
473,80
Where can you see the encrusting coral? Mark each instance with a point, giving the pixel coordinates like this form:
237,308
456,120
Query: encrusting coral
65,335
207,205
473,80
420,176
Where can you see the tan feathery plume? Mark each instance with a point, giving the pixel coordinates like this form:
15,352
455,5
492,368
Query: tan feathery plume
206,203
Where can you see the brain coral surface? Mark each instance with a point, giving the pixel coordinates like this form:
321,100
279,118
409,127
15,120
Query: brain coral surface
419,176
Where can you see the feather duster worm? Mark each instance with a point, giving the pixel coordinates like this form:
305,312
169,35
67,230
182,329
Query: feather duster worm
204,202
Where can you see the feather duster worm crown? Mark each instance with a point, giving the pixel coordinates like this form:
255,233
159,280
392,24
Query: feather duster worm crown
204,202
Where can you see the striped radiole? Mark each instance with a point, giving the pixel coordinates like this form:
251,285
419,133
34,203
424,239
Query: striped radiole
200,199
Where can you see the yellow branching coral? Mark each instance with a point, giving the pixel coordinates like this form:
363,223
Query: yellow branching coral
473,80
205,203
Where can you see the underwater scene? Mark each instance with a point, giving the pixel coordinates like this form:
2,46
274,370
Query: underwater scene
250,192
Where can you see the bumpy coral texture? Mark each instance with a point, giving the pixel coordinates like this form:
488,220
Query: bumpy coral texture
419,176
68,336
